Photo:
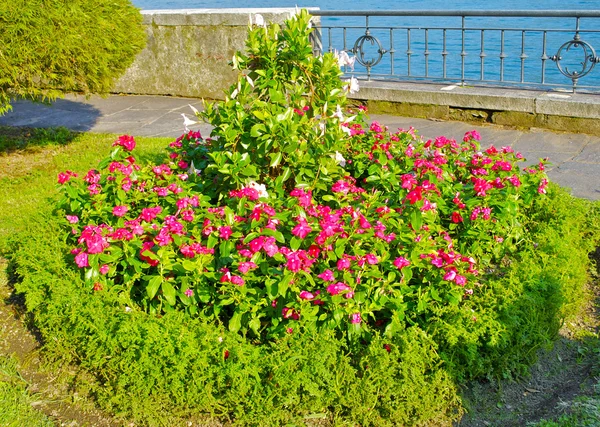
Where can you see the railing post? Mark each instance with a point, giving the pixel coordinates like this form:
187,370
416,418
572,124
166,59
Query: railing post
463,53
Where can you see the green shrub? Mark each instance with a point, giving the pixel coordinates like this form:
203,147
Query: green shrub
50,47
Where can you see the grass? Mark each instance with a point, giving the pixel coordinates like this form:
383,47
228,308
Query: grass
15,401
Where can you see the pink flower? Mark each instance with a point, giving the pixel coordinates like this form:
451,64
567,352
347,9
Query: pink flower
225,232
120,210
327,276
302,229
256,244
187,215
244,267
237,280
73,219
65,176
270,246
148,214
401,262
337,288
371,259
125,141
355,318
104,269
81,259
450,275
343,264
306,295
188,293
460,280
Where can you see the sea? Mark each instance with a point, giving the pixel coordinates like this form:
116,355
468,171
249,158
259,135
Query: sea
523,52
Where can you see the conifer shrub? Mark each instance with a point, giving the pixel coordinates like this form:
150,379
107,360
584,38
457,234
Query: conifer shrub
301,264
52,47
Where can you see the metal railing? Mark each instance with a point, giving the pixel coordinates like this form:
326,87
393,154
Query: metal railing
519,48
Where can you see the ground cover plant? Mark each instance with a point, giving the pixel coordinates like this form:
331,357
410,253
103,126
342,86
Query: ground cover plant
300,264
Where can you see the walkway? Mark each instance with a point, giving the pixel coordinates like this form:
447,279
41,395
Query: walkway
575,158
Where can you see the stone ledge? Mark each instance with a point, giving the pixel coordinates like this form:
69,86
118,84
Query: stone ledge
508,107
214,17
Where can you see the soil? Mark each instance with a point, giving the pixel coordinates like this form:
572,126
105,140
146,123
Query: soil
561,374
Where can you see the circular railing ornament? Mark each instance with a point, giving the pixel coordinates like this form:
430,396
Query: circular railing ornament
589,60
359,51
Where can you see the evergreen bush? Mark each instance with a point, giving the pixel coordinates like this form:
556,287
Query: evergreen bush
52,47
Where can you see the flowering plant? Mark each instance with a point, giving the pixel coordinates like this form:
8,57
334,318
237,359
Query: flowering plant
296,212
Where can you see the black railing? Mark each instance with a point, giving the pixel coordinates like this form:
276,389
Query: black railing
525,49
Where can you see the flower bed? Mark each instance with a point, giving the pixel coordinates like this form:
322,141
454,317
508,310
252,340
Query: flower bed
299,254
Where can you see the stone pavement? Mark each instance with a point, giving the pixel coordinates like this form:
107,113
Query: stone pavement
575,158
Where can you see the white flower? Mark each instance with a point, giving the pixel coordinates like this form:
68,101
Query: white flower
344,59
259,20
352,85
127,309
194,109
187,122
262,190
220,339
338,113
340,159
192,170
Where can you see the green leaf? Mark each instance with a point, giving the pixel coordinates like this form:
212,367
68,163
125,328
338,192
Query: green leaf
153,286
169,293
254,324
235,323
416,220
275,159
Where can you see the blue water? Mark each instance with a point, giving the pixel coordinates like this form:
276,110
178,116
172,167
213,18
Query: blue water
514,69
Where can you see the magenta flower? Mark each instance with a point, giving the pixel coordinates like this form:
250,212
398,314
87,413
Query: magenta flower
188,293
327,276
104,269
401,262
120,210
302,229
355,318
125,141
270,246
81,259
371,259
306,295
148,214
256,244
244,267
338,288
225,232
65,176
450,275
343,264
237,280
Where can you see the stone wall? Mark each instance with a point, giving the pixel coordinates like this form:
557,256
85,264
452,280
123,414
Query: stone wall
188,51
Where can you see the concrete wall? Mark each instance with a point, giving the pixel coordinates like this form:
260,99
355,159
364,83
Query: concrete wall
188,51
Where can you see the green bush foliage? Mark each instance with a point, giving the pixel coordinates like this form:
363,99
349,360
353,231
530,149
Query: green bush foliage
50,47
300,264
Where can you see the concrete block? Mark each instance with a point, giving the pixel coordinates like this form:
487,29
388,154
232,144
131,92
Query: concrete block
574,105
